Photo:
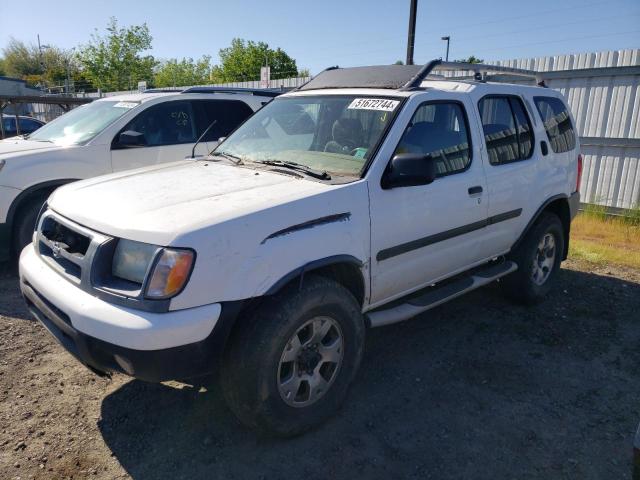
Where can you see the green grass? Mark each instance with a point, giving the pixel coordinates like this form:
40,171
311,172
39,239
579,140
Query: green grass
599,239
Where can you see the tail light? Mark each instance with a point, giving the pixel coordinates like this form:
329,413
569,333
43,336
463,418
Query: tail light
579,179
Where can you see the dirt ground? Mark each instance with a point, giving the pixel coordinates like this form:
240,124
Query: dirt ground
477,388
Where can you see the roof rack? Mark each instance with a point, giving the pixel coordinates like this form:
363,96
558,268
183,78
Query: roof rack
247,91
410,77
481,71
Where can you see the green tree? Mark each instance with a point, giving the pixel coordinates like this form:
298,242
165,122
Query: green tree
471,59
3,70
178,73
399,62
243,59
114,61
47,66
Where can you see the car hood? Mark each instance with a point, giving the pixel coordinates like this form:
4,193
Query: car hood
17,145
157,204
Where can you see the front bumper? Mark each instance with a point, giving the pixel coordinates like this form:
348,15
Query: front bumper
107,338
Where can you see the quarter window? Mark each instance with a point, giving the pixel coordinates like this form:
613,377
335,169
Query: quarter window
507,129
439,131
557,123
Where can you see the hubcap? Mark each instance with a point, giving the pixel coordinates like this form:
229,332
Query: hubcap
544,259
310,362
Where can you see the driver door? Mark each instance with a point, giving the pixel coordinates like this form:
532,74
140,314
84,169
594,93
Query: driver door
421,234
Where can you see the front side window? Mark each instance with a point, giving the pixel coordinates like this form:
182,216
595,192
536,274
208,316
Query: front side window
557,123
333,133
82,123
507,129
167,123
439,131
27,125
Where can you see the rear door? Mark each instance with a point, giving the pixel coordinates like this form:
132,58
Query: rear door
421,234
511,166
169,130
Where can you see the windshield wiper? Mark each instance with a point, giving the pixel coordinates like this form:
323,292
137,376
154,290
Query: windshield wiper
229,156
319,174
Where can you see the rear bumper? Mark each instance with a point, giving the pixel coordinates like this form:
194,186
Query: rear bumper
65,311
574,204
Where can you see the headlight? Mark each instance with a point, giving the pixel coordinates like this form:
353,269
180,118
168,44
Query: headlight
131,260
167,269
170,273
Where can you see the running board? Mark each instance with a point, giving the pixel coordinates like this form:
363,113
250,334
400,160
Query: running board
434,296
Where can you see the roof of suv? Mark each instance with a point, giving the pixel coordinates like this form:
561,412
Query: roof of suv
205,92
404,79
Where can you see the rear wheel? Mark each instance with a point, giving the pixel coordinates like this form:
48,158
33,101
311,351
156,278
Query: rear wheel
538,258
289,365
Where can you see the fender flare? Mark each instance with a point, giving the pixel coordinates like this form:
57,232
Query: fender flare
535,217
314,265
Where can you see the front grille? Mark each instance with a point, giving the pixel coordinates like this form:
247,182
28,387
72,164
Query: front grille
69,248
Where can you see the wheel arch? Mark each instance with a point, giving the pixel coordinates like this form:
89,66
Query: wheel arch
43,188
344,269
558,205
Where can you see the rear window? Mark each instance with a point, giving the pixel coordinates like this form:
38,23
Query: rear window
557,123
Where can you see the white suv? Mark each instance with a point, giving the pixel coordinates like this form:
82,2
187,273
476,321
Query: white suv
364,198
110,135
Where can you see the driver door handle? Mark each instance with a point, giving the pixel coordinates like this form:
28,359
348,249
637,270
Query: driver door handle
475,190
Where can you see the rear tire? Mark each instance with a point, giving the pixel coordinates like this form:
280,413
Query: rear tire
288,366
538,258
25,223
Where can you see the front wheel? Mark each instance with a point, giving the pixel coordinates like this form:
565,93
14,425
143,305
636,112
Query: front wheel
289,365
538,258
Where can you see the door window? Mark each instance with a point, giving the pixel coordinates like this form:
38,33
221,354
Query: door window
439,131
167,123
27,125
227,114
9,124
507,129
557,123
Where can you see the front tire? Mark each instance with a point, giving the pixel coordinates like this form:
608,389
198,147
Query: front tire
538,258
25,223
289,365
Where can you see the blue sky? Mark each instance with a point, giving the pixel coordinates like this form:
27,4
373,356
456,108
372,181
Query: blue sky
347,33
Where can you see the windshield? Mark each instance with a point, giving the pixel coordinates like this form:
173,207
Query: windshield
82,123
331,133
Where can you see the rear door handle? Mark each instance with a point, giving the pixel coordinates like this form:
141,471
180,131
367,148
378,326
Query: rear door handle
475,190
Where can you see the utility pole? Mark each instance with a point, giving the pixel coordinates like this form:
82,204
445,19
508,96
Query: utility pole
448,39
412,31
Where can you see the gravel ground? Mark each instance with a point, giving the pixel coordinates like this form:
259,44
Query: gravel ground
477,388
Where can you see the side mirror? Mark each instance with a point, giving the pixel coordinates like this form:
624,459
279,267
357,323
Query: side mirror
408,170
131,138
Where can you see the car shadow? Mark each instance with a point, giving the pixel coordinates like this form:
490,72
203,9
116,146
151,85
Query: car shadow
12,304
477,388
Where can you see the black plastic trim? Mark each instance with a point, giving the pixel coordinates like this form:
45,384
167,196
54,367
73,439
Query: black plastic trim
322,262
446,235
535,216
338,217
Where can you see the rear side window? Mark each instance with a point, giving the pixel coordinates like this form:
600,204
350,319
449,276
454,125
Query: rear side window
507,129
439,131
557,123
227,114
